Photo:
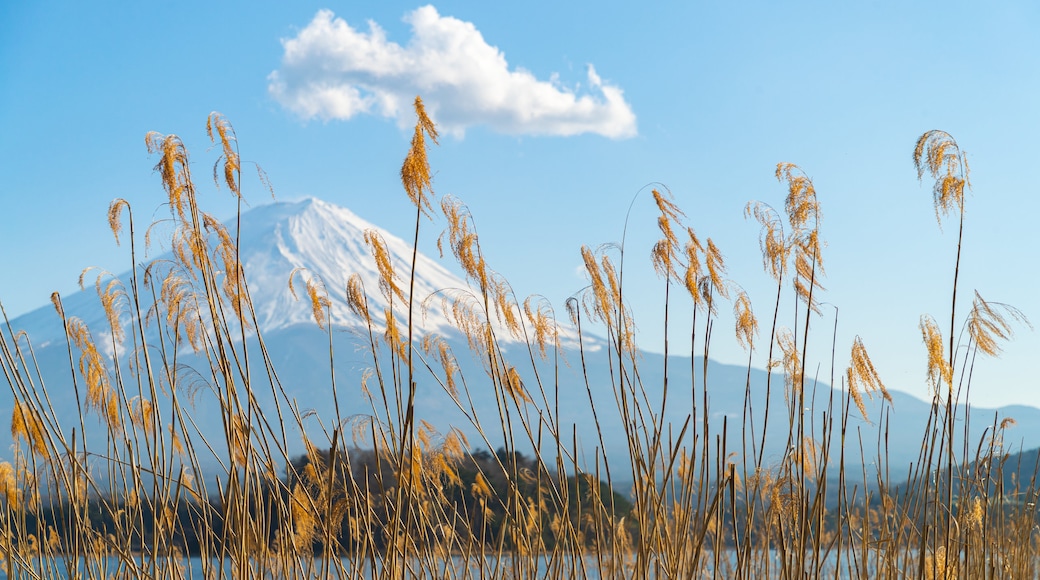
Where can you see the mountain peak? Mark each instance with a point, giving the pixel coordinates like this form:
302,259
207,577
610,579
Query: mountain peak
327,241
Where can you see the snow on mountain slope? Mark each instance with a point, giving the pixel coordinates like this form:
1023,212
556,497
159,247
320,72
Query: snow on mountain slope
324,239
328,241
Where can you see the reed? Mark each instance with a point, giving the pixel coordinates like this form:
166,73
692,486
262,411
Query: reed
384,494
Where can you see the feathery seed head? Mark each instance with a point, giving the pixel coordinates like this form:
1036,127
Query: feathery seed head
862,377
238,438
110,295
110,411
705,290
543,323
480,487
113,216
234,277
91,364
666,248
357,301
803,211
626,330
182,309
393,336
415,172
515,386
27,425
573,306
939,369
602,303
175,440
319,298
439,347
716,269
938,154
506,308
989,324
387,281
9,484
790,359
666,206
304,521
771,241
173,170
467,314
56,301
661,258
229,144
854,392
747,324
141,414
975,514
807,456
463,241
455,445
807,280
610,274
693,250
320,302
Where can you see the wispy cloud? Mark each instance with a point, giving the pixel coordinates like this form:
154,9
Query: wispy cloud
332,71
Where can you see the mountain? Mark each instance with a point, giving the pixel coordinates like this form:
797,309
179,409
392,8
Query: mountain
328,242
324,239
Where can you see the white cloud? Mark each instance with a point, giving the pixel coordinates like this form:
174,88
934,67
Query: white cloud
332,71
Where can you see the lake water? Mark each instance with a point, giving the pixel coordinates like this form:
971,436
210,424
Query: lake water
505,568
197,568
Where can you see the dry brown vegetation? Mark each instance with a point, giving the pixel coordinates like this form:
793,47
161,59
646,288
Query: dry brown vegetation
416,502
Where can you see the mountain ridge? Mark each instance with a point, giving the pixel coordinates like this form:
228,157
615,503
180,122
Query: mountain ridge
327,241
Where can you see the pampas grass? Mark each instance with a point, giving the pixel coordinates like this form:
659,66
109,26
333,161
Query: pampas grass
384,494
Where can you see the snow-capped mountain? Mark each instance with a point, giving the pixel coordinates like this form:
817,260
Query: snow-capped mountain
323,239
328,242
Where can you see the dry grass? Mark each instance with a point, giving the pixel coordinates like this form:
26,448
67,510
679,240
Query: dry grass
415,502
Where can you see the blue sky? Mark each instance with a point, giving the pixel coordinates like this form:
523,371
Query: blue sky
704,97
